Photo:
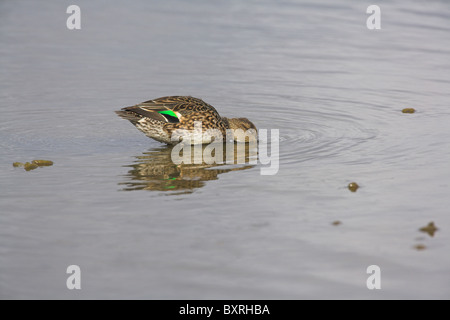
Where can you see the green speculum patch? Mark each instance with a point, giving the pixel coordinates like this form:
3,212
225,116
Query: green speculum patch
169,113
170,116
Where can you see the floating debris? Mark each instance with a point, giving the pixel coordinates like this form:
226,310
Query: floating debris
42,163
409,110
420,247
336,223
430,229
353,187
30,166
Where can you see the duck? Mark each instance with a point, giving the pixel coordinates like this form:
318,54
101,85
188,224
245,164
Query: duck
173,119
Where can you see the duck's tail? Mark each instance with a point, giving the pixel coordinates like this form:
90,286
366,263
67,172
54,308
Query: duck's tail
130,116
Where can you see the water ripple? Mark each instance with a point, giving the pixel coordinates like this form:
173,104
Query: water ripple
307,134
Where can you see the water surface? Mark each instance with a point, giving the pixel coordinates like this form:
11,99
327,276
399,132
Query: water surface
140,228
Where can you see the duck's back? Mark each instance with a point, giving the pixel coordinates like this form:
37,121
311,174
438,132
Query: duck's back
182,103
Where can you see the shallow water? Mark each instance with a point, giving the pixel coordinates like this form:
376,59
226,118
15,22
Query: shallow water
140,228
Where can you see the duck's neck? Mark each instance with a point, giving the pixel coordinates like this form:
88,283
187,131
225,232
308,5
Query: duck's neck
226,121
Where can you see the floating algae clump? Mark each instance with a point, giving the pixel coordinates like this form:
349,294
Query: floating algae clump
409,110
353,187
33,165
30,166
420,247
430,229
42,163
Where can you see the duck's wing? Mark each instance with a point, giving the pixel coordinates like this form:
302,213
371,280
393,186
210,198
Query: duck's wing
167,109
181,104
161,109
172,102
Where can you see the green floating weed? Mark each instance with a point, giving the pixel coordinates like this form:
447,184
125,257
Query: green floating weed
420,247
409,110
28,166
430,229
353,186
42,163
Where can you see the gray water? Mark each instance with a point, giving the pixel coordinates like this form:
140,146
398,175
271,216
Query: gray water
115,206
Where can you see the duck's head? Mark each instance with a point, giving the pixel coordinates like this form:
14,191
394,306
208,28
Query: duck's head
244,129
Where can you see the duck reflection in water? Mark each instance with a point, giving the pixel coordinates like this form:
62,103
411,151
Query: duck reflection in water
155,170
